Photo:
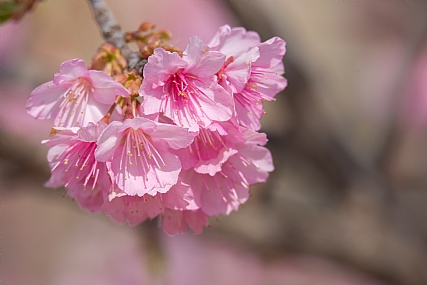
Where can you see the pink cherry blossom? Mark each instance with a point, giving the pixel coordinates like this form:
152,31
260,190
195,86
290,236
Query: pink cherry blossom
211,148
138,150
229,188
265,81
186,148
73,164
76,96
252,71
184,89
238,46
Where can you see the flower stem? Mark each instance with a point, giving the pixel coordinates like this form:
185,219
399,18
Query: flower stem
113,34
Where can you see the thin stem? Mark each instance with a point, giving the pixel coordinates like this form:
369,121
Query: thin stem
113,34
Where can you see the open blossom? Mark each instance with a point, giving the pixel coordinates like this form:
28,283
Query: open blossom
229,188
239,47
76,96
185,89
253,71
138,150
265,81
73,164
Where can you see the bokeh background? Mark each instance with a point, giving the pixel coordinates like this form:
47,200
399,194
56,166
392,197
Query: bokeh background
346,205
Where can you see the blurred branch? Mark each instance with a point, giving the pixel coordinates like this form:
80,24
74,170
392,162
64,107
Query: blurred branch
113,34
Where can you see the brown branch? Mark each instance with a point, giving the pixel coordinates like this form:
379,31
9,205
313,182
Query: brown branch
113,34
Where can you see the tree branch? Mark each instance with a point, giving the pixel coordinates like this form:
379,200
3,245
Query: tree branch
113,34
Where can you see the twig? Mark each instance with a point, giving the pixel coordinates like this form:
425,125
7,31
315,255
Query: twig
113,34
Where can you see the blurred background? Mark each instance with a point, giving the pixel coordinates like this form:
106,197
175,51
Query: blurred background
346,205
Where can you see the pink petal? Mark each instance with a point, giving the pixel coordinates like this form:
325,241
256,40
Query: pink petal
105,88
201,61
173,222
45,100
254,138
147,125
248,113
212,166
216,40
176,137
238,72
207,195
196,220
160,65
92,132
168,174
217,104
153,99
271,52
261,164
89,198
61,136
70,70
179,197
108,141
234,42
126,209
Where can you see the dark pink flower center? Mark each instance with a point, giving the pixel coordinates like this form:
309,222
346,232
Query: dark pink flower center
182,94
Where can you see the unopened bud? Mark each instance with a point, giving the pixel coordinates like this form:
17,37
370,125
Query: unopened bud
109,60
130,81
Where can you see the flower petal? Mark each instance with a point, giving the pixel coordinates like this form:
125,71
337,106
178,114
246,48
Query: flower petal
45,100
201,61
108,141
105,88
69,71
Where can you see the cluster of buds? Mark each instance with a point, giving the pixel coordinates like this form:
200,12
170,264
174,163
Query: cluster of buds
148,39
179,142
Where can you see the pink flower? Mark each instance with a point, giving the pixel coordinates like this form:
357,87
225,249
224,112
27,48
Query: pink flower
252,71
265,81
185,89
228,189
138,150
238,46
211,148
76,96
73,165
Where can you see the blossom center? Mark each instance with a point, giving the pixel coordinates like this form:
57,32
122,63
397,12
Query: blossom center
182,95
139,151
72,107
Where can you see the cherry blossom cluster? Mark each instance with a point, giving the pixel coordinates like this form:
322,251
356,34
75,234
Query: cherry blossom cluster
179,141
